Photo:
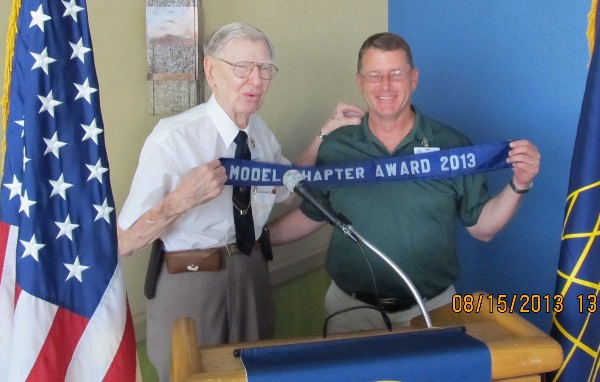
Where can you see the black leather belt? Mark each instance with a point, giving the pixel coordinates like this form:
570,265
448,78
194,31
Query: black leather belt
388,304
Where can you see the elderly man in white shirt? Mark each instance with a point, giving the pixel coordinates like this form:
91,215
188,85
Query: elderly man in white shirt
178,196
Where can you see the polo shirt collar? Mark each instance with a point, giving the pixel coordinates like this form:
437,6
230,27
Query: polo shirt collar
363,132
421,130
227,129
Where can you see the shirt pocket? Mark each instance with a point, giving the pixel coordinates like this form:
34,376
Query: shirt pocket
263,199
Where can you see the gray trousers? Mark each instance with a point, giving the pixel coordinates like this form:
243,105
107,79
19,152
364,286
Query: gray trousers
229,306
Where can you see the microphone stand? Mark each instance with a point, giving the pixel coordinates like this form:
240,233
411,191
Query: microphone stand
404,277
294,181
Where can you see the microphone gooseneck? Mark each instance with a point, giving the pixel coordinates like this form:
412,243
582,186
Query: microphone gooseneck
294,181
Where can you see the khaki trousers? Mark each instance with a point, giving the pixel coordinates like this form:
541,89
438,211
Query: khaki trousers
229,306
368,319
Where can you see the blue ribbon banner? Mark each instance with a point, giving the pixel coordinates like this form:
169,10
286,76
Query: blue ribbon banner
439,164
447,354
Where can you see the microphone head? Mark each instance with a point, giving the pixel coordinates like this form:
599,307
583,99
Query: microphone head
292,178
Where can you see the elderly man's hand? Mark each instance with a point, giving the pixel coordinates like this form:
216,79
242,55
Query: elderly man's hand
525,160
344,114
201,185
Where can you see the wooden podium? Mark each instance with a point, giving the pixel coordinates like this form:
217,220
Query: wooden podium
520,351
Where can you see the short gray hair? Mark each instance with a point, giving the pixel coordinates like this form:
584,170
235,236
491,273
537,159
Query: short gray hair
217,40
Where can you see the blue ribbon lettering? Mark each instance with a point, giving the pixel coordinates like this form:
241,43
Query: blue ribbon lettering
446,163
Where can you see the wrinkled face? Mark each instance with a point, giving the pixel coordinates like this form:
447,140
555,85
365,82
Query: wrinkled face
392,96
239,97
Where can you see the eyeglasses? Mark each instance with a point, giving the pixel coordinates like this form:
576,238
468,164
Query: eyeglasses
396,75
243,69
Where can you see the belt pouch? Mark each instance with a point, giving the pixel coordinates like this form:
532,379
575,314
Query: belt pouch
206,260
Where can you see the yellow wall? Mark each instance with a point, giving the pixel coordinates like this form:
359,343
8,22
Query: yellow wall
316,43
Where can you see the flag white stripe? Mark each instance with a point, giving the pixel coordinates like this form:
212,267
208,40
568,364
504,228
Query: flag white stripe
98,344
7,299
33,320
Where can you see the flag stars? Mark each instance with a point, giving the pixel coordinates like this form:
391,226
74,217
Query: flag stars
53,145
103,211
96,171
32,248
25,159
75,270
21,123
49,103
79,50
38,18
91,131
26,203
66,228
85,91
14,187
42,60
59,187
71,9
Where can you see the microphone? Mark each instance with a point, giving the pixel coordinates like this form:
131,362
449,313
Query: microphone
294,181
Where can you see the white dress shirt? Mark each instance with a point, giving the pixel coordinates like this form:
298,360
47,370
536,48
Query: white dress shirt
187,140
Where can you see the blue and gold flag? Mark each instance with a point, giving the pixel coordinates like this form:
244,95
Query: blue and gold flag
576,323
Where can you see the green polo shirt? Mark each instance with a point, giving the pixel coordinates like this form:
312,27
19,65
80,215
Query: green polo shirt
412,222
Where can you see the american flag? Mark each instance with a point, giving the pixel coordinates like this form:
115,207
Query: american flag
63,307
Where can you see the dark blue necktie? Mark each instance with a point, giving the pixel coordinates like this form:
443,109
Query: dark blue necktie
242,208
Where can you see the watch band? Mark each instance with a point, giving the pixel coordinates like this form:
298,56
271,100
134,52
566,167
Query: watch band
519,190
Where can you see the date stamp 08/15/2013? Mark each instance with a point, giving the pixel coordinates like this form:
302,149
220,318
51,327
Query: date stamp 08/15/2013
521,303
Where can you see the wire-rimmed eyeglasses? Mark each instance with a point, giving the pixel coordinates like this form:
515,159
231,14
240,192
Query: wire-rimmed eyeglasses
243,69
396,75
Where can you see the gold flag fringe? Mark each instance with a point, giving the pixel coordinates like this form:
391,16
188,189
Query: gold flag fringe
10,52
591,30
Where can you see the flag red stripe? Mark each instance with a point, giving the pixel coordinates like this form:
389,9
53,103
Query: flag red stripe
123,367
57,351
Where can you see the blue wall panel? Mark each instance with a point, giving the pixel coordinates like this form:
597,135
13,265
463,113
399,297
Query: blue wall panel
500,70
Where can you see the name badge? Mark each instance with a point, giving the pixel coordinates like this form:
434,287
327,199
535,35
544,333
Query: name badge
422,150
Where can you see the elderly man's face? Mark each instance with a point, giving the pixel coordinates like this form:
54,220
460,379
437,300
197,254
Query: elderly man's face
239,97
391,96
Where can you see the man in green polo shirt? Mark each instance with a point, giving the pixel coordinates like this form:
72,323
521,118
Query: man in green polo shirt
413,223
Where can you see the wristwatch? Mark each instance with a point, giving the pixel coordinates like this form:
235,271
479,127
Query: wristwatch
519,190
